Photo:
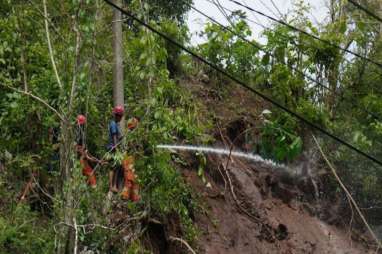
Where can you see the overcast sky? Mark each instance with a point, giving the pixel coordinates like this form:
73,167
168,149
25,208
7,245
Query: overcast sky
318,13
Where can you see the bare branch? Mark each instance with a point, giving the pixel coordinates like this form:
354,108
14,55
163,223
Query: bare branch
76,236
76,61
36,98
92,226
348,194
42,189
50,45
183,242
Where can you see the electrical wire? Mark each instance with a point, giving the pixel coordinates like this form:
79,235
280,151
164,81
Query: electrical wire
261,47
222,11
268,8
244,85
277,8
306,33
280,34
370,13
258,22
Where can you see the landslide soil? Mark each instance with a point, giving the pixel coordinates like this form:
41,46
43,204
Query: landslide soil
262,216
253,207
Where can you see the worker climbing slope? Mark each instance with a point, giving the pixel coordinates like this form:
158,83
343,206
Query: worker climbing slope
85,157
126,170
115,137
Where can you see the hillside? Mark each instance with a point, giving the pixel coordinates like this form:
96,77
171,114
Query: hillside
120,134
257,207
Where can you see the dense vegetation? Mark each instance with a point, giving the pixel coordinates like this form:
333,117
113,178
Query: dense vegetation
80,82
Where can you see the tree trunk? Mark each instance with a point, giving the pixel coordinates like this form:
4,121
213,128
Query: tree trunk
336,12
118,96
66,241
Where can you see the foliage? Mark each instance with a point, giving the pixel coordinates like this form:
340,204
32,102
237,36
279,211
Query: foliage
172,9
278,140
23,232
228,51
167,113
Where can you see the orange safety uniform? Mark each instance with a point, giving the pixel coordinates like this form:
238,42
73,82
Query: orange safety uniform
131,187
88,171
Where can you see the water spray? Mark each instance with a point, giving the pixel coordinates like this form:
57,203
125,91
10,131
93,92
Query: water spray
221,151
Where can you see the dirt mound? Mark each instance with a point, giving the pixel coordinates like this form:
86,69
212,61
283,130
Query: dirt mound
255,209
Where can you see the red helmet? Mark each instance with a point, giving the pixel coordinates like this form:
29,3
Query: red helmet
118,110
81,119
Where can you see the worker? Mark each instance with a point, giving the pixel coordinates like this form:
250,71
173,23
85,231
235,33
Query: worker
130,188
28,186
115,137
87,170
80,135
85,157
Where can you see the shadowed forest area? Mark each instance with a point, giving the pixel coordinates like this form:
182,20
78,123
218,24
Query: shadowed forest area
119,134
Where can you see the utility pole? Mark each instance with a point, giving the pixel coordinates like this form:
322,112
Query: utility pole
380,15
118,93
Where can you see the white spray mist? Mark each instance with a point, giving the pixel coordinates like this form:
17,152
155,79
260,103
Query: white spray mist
221,151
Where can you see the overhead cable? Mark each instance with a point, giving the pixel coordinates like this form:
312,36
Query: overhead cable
258,22
306,33
244,85
261,47
370,13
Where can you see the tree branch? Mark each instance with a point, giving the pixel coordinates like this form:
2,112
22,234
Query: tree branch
76,61
50,45
36,98
183,242
76,236
350,197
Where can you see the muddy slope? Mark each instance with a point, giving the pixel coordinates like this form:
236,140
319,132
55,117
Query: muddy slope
261,211
253,207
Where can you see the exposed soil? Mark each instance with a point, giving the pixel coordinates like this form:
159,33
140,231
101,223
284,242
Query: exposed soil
269,218
255,208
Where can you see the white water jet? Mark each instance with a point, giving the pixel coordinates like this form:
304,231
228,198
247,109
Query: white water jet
221,151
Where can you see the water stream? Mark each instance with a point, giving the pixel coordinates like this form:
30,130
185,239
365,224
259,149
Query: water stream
222,151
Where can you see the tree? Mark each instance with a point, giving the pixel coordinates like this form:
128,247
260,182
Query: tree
173,9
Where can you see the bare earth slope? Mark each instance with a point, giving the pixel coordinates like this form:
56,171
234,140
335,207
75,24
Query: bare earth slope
267,218
253,207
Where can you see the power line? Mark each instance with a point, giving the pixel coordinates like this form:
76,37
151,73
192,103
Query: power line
277,8
268,8
294,43
263,26
260,47
219,6
241,83
306,33
365,10
258,22
253,15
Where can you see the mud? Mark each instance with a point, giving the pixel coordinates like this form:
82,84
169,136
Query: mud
270,210
269,214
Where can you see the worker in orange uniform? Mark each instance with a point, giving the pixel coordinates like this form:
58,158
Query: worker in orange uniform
130,187
29,186
84,156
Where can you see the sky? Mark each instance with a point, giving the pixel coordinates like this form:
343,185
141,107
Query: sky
318,14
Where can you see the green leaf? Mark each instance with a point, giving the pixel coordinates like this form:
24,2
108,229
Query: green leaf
265,59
